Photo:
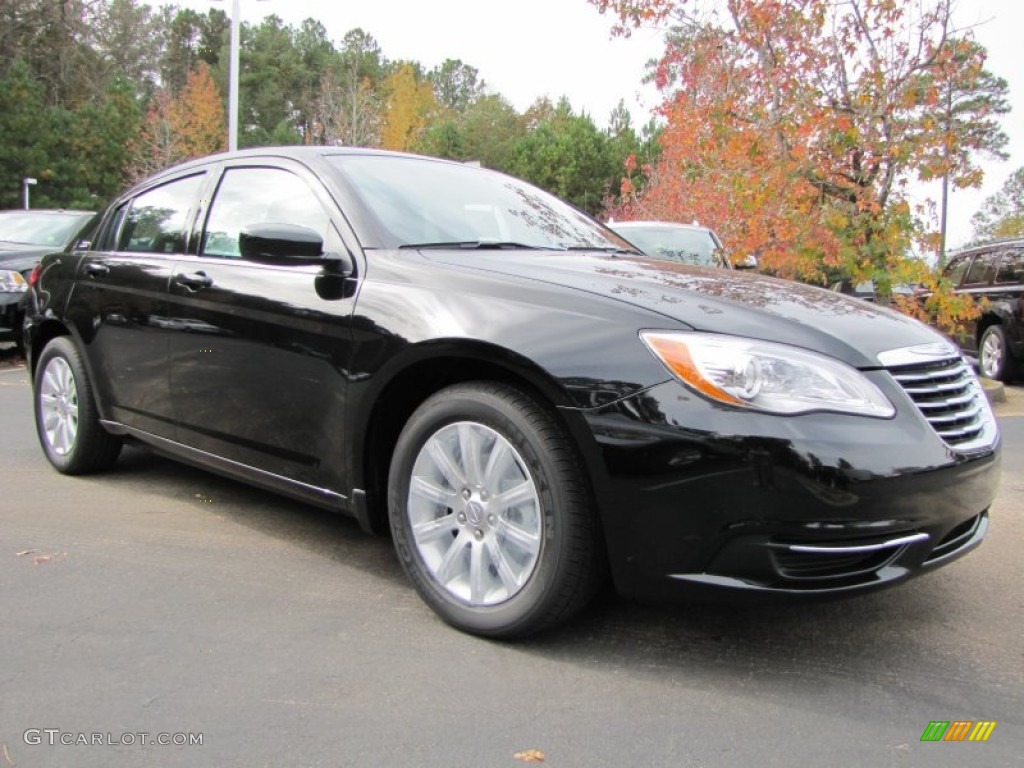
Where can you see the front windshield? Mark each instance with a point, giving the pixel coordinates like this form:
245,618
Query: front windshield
420,202
689,246
49,229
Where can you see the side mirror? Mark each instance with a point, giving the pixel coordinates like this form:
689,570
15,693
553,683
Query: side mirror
279,241
747,262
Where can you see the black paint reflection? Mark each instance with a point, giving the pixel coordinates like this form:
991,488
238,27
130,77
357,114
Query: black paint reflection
257,366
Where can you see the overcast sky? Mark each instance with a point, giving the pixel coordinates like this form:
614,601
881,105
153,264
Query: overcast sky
531,48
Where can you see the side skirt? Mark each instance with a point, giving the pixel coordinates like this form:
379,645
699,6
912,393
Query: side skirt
321,497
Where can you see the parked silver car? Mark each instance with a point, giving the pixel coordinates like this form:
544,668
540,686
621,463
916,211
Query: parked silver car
684,243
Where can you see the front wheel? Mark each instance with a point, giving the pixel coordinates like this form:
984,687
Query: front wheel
67,420
490,514
995,361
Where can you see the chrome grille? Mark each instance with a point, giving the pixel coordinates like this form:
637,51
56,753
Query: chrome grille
948,395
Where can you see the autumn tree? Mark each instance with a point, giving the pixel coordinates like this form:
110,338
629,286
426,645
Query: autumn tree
794,126
541,110
410,104
635,154
178,128
197,115
1002,214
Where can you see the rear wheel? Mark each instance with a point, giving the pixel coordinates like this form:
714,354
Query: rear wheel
66,416
995,361
490,514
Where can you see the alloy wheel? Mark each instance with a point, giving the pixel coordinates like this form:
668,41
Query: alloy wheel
58,400
991,356
475,514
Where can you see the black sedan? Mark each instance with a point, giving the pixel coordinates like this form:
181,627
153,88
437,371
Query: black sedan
25,236
528,403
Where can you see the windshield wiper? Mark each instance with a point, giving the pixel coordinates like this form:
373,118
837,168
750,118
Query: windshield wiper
483,244
605,249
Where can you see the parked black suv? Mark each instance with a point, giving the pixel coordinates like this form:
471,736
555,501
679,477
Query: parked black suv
995,272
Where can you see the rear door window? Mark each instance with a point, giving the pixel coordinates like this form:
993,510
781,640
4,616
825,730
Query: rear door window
957,269
157,220
982,270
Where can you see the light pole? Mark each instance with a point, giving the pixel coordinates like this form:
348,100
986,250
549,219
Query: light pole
233,78
25,184
236,13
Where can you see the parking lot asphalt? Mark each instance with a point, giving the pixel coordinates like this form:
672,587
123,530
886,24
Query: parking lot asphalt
158,599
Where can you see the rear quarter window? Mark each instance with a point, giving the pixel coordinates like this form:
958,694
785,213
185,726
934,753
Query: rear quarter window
1011,267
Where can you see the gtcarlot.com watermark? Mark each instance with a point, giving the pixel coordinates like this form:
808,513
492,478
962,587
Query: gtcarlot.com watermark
56,737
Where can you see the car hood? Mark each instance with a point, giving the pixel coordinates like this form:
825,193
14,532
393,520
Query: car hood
22,257
717,300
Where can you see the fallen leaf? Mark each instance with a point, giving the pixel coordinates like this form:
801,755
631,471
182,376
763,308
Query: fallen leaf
26,552
530,756
38,560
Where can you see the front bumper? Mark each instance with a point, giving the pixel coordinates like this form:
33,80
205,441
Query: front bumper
12,314
698,499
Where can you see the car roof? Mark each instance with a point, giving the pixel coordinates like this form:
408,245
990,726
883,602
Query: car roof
664,224
305,154
47,211
980,247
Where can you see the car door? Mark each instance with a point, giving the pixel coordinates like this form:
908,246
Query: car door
258,364
120,310
977,282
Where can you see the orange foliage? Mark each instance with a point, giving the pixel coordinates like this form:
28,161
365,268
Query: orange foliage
794,129
197,115
182,127
410,103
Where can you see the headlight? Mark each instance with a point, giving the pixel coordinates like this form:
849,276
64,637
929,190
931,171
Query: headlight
769,377
12,282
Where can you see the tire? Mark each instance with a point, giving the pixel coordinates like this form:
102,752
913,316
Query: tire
995,360
67,420
490,514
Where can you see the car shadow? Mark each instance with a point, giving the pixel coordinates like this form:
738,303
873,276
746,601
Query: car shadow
320,531
10,357
907,638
